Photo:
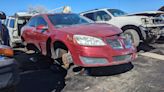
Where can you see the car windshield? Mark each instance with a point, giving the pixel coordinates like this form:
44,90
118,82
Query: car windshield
60,20
116,12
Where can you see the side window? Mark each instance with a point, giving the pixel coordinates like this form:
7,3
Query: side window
12,23
102,16
32,22
41,21
90,16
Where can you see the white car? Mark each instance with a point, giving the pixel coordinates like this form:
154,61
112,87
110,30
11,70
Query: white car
14,25
138,26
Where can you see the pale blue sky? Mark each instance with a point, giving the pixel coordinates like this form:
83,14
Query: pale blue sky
12,6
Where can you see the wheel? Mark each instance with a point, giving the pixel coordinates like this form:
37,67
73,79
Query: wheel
64,58
61,57
132,33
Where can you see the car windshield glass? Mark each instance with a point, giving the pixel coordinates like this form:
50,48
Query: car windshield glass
60,20
116,12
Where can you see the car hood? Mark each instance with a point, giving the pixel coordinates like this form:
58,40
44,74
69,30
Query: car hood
147,13
96,29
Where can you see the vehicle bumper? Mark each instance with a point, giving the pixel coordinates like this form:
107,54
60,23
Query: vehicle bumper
8,72
102,56
151,31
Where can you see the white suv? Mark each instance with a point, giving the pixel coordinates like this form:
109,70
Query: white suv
14,25
139,26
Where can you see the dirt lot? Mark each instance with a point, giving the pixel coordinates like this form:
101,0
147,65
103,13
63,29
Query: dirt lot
146,76
143,75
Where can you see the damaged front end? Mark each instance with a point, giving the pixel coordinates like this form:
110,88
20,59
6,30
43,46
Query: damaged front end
153,28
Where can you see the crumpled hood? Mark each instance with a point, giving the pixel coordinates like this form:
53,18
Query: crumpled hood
147,13
95,29
133,16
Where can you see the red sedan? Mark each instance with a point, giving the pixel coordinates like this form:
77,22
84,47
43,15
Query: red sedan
70,38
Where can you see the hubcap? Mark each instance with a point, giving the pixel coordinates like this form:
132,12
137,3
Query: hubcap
60,53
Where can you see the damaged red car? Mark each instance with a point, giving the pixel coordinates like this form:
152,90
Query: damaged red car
71,38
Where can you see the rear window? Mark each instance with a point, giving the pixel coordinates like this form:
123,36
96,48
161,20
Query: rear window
12,23
90,16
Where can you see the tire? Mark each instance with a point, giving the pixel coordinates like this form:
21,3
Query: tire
60,52
133,35
68,66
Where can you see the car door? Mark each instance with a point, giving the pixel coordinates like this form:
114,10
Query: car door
11,28
28,31
42,33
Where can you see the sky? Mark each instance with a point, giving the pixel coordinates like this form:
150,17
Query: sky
130,6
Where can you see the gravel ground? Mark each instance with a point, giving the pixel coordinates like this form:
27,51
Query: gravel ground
146,76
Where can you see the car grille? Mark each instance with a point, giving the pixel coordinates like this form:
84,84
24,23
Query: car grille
118,43
158,20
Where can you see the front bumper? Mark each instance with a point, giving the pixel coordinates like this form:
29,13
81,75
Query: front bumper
102,56
8,72
154,30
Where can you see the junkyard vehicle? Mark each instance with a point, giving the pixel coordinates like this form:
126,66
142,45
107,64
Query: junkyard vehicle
14,25
138,26
72,39
159,18
9,76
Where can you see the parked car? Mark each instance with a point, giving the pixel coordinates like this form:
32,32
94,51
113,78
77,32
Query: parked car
138,26
72,39
14,25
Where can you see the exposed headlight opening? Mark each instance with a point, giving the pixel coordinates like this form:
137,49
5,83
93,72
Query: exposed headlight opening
88,40
127,39
146,21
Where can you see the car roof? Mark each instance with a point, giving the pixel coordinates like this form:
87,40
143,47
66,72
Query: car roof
94,10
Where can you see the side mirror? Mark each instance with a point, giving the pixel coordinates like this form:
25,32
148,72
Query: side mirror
42,27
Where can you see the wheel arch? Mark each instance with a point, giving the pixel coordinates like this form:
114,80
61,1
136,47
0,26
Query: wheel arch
52,45
61,44
141,33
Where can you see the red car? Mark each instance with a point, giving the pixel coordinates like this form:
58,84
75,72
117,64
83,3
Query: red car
71,38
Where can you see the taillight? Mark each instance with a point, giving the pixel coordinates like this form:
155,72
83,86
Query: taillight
6,52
